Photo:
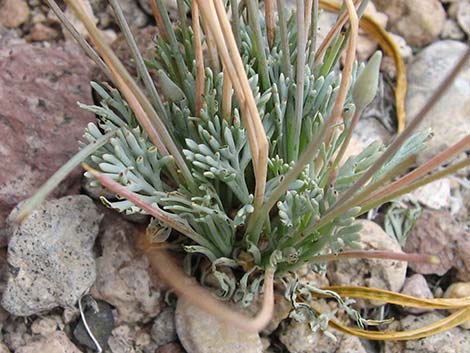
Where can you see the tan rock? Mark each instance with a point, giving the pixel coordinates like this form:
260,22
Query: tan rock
459,290
299,338
123,278
416,286
373,273
463,15
422,22
366,44
13,13
57,342
200,332
40,32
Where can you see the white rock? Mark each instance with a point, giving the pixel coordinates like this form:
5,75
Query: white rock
459,290
435,195
200,332
375,273
52,254
449,118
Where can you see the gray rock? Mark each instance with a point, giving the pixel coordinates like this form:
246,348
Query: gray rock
374,273
4,349
299,338
416,286
57,342
123,276
425,73
100,321
455,340
40,121
50,255
163,328
200,332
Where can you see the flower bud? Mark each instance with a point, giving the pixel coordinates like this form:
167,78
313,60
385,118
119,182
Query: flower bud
367,82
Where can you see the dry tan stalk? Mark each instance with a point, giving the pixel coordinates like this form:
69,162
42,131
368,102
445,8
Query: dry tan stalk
200,75
211,46
158,20
227,93
349,62
270,21
332,33
187,287
260,138
347,70
213,25
308,17
228,51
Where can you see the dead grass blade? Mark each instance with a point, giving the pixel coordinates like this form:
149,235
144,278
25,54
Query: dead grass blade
200,73
218,24
457,318
164,265
270,21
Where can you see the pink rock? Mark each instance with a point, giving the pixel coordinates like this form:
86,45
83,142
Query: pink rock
40,122
437,233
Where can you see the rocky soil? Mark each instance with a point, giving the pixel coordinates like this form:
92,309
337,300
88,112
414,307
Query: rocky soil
74,250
